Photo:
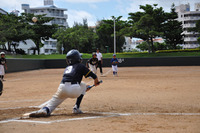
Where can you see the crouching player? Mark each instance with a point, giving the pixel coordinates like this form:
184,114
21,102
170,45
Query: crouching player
114,62
70,86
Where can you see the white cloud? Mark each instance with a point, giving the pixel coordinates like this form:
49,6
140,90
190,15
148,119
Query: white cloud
85,1
10,5
78,16
93,6
134,4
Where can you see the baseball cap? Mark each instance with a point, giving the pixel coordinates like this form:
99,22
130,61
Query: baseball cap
2,53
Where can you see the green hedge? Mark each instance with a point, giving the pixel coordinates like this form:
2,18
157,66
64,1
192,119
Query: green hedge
178,50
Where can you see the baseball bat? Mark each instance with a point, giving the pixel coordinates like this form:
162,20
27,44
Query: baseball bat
89,87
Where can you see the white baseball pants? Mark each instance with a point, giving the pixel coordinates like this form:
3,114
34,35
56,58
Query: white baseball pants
114,68
2,70
93,68
64,91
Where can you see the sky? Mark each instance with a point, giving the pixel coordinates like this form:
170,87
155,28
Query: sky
94,10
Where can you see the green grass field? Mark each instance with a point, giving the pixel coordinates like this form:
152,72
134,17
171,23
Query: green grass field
109,55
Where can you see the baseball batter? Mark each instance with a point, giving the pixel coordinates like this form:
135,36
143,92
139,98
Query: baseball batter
70,86
93,62
2,65
114,62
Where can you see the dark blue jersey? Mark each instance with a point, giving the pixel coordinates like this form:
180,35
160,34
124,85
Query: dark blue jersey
114,61
74,73
2,61
93,61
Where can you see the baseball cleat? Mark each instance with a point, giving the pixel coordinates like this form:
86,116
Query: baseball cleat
39,113
76,110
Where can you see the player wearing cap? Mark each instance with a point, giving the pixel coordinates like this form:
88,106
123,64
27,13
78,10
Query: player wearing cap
114,62
92,63
2,65
70,86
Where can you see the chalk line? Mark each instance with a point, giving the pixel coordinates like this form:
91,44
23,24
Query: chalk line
107,72
18,107
13,80
16,101
108,114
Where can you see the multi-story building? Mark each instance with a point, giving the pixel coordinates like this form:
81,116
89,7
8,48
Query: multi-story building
131,44
2,11
50,10
188,19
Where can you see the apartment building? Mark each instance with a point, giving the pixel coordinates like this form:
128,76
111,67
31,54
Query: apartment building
2,11
188,19
50,10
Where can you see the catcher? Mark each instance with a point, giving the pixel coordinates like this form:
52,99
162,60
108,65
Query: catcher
70,86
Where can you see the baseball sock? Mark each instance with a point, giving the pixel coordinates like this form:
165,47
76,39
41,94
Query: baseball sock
113,72
78,101
47,109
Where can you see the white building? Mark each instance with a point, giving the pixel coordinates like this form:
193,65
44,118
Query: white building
51,11
129,44
188,19
2,11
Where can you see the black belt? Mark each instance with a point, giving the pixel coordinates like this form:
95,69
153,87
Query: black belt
73,82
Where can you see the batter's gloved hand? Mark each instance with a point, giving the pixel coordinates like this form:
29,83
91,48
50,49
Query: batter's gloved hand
88,87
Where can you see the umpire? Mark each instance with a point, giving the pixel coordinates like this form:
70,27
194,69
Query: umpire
100,61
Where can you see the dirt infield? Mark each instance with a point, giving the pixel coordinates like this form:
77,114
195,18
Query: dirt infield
140,99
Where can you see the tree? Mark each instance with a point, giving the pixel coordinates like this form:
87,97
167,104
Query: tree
41,30
80,37
147,25
172,29
105,32
143,46
13,30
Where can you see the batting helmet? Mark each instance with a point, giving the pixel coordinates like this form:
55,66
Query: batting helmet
73,57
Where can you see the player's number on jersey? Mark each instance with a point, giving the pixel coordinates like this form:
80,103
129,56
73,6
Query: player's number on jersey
69,69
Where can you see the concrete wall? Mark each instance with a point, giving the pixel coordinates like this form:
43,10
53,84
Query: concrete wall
15,65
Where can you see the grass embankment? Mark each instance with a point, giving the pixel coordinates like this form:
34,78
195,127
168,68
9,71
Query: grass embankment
109,55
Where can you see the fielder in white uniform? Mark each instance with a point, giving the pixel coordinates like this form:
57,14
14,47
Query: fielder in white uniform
70,86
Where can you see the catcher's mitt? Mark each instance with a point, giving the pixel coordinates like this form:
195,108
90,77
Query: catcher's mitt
1,87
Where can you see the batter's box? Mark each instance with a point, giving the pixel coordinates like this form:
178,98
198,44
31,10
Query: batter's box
94,115
55,118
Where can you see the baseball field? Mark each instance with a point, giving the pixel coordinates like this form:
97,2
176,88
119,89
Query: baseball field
140,99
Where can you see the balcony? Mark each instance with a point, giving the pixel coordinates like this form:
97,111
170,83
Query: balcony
188,25
191,18
189,33
189,46
187,39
